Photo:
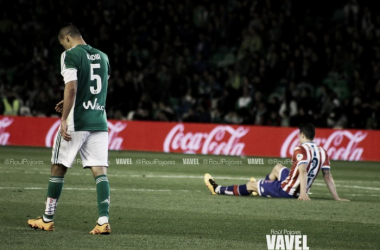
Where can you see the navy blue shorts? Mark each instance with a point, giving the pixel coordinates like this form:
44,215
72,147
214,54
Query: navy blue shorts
268,188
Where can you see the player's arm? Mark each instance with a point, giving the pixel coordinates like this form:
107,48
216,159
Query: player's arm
303,182
68,102
331,185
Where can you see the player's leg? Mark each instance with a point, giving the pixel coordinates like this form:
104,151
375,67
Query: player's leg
269,188
252,186
94,153
238,190
103,200
54,191
63,155
275,174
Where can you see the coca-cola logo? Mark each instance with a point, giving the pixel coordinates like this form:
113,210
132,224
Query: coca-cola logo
4,136
221,140
340,145
51,134
115,142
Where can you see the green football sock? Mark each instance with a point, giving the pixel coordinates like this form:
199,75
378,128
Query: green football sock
53,193
103,194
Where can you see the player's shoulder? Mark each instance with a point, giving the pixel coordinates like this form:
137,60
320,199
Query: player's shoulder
324,151
310,146
98,51
72,52
68,55
321,148
300,148
93,49
300,153
103,54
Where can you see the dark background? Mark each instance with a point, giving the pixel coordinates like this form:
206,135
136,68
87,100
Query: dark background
275,63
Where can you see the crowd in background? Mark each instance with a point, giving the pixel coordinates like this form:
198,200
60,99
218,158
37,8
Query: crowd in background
273,63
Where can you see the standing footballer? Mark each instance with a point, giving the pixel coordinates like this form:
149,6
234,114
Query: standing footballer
85,71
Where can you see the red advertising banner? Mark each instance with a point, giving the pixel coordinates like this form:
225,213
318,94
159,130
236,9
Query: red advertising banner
217,139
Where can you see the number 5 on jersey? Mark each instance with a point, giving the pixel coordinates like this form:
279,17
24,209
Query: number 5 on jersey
97,78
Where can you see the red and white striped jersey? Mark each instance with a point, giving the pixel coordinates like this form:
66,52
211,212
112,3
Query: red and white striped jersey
315,157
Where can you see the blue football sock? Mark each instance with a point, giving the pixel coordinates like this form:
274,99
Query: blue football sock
238,190
243,190
227,190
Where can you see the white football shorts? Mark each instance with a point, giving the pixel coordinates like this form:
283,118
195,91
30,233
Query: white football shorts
92,146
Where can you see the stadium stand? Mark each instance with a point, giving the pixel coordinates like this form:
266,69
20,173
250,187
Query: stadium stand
273,63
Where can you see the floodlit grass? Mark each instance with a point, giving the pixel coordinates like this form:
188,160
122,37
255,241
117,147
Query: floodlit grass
168,206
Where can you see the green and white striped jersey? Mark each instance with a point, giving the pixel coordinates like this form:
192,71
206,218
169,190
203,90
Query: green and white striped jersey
93,70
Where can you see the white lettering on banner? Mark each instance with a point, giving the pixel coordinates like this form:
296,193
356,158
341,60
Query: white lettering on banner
333,145
4,136
207,142
114,142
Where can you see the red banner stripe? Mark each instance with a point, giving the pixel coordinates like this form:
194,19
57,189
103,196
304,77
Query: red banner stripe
213,139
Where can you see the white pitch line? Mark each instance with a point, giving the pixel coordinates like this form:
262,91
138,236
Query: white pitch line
112,189
147,190
362,195
155,176
185,177
239,178
345,194
347,186
217,177
153,190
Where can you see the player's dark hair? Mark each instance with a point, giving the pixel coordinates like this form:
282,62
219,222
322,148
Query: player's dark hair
68,29
308,130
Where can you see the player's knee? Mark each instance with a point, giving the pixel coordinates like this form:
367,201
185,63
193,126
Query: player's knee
278,165
58,170
276,168
99,170
252,186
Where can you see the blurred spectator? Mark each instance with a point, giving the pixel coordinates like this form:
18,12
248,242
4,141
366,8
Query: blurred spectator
42,105
164,112
233,118
244,101
288,109
10,103
260,114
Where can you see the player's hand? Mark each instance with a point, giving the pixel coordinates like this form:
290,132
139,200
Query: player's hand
303,197
66,136
59,107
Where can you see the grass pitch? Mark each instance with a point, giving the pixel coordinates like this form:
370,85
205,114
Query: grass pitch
165,205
